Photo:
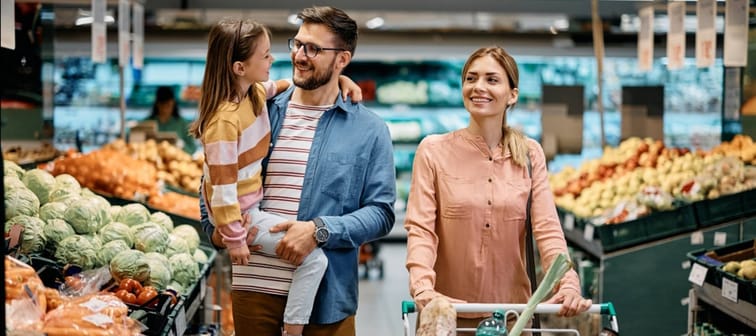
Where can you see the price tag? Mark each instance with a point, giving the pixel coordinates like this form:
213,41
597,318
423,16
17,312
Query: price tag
730,290
685,301
15,234
720,238
569,222
686,264
203,287
588,233
697,274
697,238
180,323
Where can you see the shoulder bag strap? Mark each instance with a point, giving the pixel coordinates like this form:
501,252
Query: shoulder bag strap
529,249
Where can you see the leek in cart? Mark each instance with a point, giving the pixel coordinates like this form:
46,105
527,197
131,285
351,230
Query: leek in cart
558,268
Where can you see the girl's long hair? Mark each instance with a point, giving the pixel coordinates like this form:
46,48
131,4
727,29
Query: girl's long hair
511,138
230,40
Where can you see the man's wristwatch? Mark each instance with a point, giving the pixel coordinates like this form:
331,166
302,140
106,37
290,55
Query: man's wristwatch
321,232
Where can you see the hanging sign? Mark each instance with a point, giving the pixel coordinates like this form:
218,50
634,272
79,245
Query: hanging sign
736,33
646,39
8,24
138,36
706,33
99,37
124,30
676,35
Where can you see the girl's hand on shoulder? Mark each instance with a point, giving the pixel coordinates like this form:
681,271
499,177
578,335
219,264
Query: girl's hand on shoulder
350,89
572,302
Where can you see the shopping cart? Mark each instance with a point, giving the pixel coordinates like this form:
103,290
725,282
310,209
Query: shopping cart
605,309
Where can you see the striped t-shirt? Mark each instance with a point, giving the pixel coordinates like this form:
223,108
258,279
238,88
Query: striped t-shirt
235,141
282,190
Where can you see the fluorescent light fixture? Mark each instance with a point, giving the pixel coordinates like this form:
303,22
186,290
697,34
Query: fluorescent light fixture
375,22
87,20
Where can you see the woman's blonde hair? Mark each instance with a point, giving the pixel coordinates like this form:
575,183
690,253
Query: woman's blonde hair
511,138
229,41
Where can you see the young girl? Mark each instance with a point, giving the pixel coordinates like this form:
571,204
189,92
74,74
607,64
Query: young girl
234,129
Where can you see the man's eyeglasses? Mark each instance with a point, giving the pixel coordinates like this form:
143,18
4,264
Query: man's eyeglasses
310,50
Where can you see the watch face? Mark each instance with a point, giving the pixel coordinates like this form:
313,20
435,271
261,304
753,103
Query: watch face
321,235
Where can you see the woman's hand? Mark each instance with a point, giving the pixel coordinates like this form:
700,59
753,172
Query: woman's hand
572,302
350,88
425,297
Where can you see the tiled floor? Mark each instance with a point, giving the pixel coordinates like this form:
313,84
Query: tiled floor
379,312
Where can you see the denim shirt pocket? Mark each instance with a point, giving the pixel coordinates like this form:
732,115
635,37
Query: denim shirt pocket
337,175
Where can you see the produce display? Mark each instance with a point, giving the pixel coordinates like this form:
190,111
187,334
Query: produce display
112,245
24,155
174,166
745,269
642,175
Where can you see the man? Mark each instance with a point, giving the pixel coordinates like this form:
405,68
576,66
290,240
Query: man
331,171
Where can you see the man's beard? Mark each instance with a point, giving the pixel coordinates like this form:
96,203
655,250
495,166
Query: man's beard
317,79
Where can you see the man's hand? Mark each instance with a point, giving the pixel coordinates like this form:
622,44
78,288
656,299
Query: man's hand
298,242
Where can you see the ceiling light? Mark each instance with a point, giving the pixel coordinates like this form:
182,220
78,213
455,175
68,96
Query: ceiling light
375,22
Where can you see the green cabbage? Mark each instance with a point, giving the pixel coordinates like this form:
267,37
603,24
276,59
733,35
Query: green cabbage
10,168
56,230
77,250
33,238
68,182
11,182
162,219
189,233
176,245
150,237
52,210
114,211
84,216
117,231
160,274
110,250
158,256
200,256
40,182
179,288
184,269
63,195
103,207
130,264
133,214
21,201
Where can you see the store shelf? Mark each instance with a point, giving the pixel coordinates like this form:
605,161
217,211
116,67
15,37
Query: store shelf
743,311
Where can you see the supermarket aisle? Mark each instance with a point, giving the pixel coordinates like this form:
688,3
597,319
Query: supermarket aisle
379,312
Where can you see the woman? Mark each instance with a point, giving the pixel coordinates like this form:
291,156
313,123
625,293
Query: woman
165,111
467,203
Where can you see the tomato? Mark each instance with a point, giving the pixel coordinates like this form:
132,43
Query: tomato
130,298
130,285
146,295
121,294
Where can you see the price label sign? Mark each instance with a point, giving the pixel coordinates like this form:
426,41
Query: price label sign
588,233
686,264
569,222
730,290
697,274
697,238
720,238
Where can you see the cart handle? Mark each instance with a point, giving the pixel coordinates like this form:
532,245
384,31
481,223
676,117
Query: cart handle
543,308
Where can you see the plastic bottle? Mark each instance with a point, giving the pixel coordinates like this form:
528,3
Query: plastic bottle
495,325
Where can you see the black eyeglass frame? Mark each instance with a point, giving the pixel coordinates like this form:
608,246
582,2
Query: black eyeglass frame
316,48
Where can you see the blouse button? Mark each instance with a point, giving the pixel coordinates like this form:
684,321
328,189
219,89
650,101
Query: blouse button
488,225
490,179
490,158
489,202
